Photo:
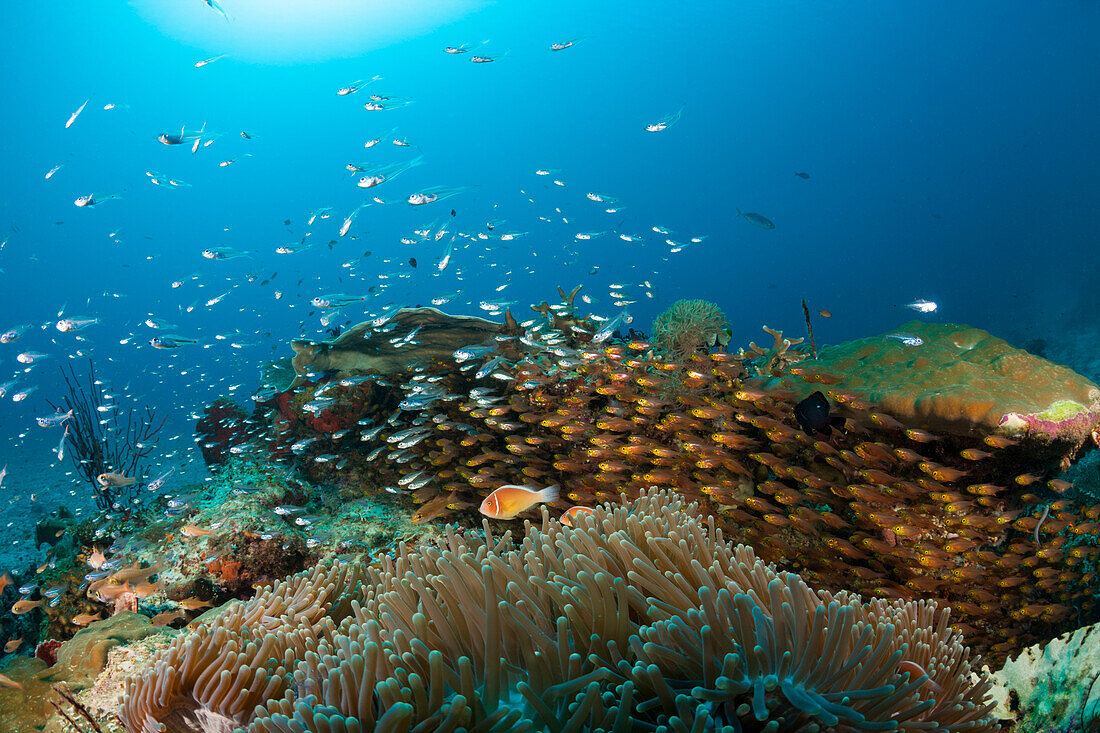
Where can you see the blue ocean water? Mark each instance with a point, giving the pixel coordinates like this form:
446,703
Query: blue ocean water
951,153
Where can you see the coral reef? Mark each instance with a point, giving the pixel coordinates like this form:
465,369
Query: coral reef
962,380
882,507
689,327
642,615
1052,687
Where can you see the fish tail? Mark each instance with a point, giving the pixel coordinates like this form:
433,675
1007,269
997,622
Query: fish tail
550,494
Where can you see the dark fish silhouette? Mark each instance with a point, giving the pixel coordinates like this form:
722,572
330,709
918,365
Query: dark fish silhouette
813,415
757,220
412,261
803,176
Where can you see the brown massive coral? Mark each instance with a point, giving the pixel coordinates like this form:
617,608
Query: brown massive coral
964,380
640,616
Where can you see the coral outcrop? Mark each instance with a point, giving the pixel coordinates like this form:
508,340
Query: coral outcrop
222,426
80,660
963,380
642,615
363,348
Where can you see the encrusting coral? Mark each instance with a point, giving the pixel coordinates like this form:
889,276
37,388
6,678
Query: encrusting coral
689,327
640,617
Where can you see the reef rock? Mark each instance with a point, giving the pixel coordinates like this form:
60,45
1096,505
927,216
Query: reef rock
83,657
79,662
960,380
361,349
1052,687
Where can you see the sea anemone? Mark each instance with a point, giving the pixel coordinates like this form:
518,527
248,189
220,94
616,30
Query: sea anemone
640,616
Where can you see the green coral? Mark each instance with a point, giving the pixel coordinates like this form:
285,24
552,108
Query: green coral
1061,410
690,327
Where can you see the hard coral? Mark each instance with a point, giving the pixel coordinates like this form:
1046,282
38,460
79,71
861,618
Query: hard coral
964,380
437,333
1052,687
689,327
639,616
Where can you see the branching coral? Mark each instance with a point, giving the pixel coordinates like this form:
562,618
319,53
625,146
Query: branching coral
778,359
689,327
642,615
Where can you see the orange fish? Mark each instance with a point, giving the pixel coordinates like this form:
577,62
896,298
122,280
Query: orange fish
509,500
433,508
6,681
83,619
190,530
999,441
921,436
573,513
24,606
166,617
825,314
14,644
193,604
5,581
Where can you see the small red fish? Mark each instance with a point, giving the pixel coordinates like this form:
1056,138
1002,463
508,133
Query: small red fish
509,500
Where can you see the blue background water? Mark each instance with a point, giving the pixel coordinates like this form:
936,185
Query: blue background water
952,151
